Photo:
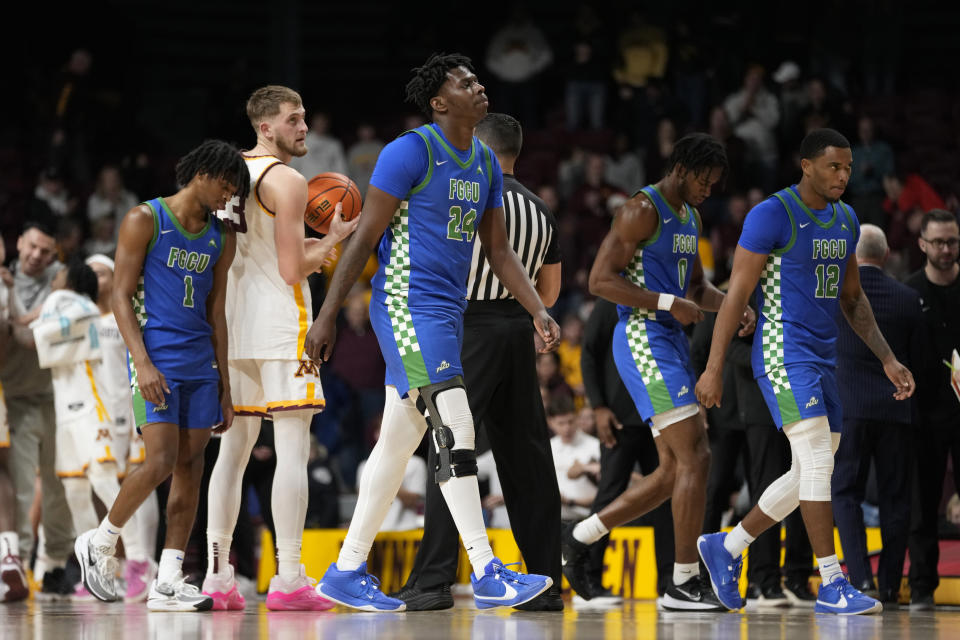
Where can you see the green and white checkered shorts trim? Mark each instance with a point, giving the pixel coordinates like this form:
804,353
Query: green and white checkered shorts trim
639,343
772,334
397,272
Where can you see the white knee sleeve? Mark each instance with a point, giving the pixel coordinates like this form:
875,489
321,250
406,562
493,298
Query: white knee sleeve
812,446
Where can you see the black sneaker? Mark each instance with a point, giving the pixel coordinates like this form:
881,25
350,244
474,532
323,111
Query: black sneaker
574,558
767,598
799,594
549,600
432,599
922,601
695,594
55,585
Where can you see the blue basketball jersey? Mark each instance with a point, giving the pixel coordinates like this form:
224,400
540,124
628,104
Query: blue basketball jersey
663,262
798,291
171,298
425,253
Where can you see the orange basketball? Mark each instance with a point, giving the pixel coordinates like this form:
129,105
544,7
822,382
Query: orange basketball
324,191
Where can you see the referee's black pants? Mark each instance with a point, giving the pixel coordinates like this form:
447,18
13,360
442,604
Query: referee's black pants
499,363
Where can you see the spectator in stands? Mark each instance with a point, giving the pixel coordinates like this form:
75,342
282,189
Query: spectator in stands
793,100
324,151
642,46
517,55
625,169
939,434
50,197
754,113
576,456
362,156
551,380
590,205
659,152
107,205
587,72
571,331
30,410
876,428
872,160
739,177
909,198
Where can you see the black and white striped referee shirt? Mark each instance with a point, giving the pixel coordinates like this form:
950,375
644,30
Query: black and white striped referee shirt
532,232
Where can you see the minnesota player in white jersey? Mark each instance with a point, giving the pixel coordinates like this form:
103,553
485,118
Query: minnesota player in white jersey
140,533
269,309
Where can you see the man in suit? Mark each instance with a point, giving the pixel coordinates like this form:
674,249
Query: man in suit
876,427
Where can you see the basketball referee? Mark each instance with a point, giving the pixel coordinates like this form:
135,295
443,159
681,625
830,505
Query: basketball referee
499,362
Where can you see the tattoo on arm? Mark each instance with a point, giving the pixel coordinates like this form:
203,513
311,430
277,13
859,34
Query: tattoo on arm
860,316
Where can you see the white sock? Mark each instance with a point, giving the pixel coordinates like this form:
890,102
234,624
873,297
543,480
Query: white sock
462,496
737,541
107,534
288,559
218,553
829,568
9,544
589,530
171,564
683,572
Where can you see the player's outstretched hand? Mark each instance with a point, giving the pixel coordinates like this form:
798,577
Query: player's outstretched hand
321,337
685,311
748,322
549,331
152,383
901,378
340,228
709,388
606,423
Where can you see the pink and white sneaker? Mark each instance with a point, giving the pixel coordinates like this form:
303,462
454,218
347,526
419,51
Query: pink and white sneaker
298,594
138,576
222,587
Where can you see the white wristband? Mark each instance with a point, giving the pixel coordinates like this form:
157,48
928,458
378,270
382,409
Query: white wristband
665,301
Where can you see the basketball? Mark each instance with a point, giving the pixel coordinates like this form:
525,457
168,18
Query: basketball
324,191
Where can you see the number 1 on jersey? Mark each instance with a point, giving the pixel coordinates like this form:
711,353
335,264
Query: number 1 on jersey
188,291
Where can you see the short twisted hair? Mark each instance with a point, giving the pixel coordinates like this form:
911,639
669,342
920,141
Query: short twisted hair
428,79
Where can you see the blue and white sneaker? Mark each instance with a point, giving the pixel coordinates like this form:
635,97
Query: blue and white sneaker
724,569
501,587
842,598
356,589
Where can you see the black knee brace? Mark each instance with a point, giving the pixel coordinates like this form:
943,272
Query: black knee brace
450,463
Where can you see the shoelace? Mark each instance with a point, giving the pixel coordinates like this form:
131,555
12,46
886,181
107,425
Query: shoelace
500,570
107,565
371,582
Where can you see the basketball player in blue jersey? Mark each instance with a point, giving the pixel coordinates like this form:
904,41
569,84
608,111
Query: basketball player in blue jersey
796,253
433,192
648,264
171,274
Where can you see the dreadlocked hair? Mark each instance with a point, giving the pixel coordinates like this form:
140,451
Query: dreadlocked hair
698,152
215,159
428,79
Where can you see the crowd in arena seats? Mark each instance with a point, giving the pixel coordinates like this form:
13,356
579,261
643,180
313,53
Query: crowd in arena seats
630,91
